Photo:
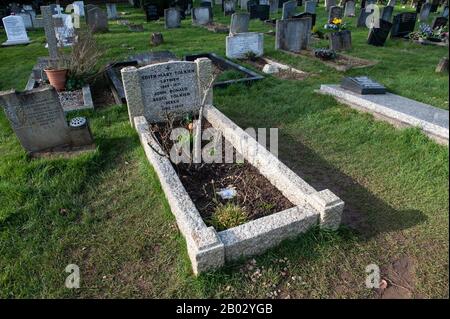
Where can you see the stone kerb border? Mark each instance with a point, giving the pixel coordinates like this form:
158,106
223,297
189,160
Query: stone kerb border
209,249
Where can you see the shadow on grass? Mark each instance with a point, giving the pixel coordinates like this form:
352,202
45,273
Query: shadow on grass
363,211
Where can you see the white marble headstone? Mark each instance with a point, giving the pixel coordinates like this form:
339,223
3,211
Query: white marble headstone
240,44
15,31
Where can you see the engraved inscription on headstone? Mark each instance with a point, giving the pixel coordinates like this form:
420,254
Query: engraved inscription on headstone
239,45
362,85
15,31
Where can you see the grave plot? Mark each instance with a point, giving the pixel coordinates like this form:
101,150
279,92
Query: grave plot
245,220
228,71
341,62
277,69
363,94
78,99
115,78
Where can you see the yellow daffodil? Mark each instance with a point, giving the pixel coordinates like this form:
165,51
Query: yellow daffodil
337,21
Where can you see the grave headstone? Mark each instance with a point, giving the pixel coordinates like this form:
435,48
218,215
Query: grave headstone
38,119
335,13
157,38
445,12
240,44
293,34
403,24
362,85
378,36
281,2
386,14
172,18
207,4
27,19
78,8
364,16
50,34
442,66
419,5
329,4
261,12
65,31
201,16
229,7
97,20
391,3
308,15
15,31
251,3
151,13
310,6
349,10
239,23
425,12
273,6
111,10
289,9
434,5
439,22
156,90
243,4
341,41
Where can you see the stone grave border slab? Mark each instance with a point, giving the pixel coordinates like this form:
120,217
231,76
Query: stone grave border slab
209,249
250,76
373,104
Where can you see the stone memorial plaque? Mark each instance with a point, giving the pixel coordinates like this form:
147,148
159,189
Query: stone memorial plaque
15,31
362,85
293,34
237,46
172,18
289,9
239,23
37,118
201,16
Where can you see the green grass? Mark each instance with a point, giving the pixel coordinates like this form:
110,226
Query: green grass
105,211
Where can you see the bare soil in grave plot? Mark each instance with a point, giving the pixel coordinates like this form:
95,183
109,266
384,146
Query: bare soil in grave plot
259,64
101,93
254,193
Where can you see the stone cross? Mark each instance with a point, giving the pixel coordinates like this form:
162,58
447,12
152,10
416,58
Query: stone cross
50,34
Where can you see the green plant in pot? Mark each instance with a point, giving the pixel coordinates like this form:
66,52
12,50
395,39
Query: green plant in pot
57,72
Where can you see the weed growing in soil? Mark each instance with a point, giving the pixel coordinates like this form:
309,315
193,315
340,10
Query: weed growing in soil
228,216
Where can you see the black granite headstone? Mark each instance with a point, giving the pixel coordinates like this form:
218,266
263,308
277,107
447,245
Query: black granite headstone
151,12
378,36
260,11
362,85
439,22
403,24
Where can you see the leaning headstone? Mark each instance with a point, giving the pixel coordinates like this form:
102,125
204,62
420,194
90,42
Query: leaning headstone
201,16
38,120
403,24
292,34
172,18
349,10
239,23
329,4
289,9
386,14
97,20
162,89
240,44
310,6
439,22
425,12
378,36
15,31
335,13
229,7
111,11
273,6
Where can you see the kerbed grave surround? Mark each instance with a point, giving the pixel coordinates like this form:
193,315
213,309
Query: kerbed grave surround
209,249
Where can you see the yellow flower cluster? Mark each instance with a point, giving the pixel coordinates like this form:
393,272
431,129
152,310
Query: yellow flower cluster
337,21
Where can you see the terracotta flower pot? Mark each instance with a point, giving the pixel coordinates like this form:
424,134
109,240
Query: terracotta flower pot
57,78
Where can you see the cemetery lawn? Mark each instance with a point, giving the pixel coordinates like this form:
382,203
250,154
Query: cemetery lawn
105,211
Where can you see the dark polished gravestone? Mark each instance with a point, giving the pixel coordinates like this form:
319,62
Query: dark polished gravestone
362,85
38,120
378,36
302,15
151,13
386,14
251,3
439,22
364,17
434,5
260,11
403,24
